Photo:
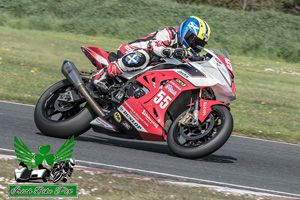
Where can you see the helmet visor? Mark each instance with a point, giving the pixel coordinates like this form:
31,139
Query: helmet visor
193,41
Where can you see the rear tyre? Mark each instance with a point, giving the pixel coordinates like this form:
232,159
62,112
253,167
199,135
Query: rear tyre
61,119
209,136
44,178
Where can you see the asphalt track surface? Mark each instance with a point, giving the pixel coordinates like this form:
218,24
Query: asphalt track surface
249,163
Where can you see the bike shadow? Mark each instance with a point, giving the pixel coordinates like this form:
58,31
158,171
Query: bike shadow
157,147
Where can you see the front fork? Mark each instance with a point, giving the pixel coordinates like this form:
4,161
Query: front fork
202,109
191,119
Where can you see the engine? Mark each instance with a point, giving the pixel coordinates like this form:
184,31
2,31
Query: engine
136,91
132,89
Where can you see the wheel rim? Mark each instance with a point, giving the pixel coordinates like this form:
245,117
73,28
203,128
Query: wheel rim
196,136
55,110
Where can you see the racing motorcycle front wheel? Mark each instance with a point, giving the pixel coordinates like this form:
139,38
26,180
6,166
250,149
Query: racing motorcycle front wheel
62,119
199,141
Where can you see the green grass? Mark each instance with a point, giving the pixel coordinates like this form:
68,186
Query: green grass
268,100
267,104
268,34
97,185
31,60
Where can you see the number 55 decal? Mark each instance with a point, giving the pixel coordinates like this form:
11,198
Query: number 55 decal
162,100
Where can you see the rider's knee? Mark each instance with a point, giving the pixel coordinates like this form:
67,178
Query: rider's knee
136,60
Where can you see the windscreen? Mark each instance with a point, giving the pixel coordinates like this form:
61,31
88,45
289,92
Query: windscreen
221,65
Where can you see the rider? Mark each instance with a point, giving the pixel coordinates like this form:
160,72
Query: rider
61,166
167,43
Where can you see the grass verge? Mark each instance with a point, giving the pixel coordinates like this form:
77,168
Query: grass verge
268,97
273,34
106,186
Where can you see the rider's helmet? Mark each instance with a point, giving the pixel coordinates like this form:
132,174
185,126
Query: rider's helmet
192,32
72,162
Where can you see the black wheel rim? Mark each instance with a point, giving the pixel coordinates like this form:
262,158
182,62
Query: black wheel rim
55,110
200,135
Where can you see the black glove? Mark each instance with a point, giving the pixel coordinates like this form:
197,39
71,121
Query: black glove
176,53
167,52
180,53
196,58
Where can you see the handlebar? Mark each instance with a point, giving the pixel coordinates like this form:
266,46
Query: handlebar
195,58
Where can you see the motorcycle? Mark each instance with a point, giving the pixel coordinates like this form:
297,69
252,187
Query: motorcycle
60,171
182,101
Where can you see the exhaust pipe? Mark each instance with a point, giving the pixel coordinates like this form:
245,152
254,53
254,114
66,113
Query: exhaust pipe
70,71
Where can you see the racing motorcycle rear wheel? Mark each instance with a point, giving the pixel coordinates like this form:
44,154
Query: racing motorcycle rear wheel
199,141
62,119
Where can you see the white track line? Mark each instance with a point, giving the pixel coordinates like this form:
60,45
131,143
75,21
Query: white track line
22,104
264,140
203,181
187,178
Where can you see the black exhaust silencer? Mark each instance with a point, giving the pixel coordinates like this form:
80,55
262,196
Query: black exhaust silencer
70,71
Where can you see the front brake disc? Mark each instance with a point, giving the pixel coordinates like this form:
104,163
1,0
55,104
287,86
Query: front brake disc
211,125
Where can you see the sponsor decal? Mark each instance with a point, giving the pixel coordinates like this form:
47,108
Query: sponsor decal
138,53
171,90
183,84
205,36
159,44
219,61
126,125
118,117
128,49
42,190
131,119
204,109
101,122
184,75
175,85
149,119
51,168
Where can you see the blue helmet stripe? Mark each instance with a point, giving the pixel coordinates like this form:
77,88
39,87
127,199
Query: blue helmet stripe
206,28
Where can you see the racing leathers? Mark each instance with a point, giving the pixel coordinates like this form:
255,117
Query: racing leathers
138,54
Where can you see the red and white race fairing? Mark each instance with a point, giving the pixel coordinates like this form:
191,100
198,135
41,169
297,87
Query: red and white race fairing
184,102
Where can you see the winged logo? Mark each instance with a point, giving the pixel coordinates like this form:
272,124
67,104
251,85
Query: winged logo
32,160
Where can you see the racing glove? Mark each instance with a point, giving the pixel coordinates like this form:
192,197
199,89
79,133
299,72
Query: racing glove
175,52
180,53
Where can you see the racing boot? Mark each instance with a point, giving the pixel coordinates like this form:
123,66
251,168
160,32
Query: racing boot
100,79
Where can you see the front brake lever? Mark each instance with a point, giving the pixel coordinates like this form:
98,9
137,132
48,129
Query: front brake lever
195,58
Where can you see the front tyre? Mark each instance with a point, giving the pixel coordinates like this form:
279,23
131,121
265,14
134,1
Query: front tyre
62,119
209,136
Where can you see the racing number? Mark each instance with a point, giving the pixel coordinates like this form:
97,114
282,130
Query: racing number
228,63
162,99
